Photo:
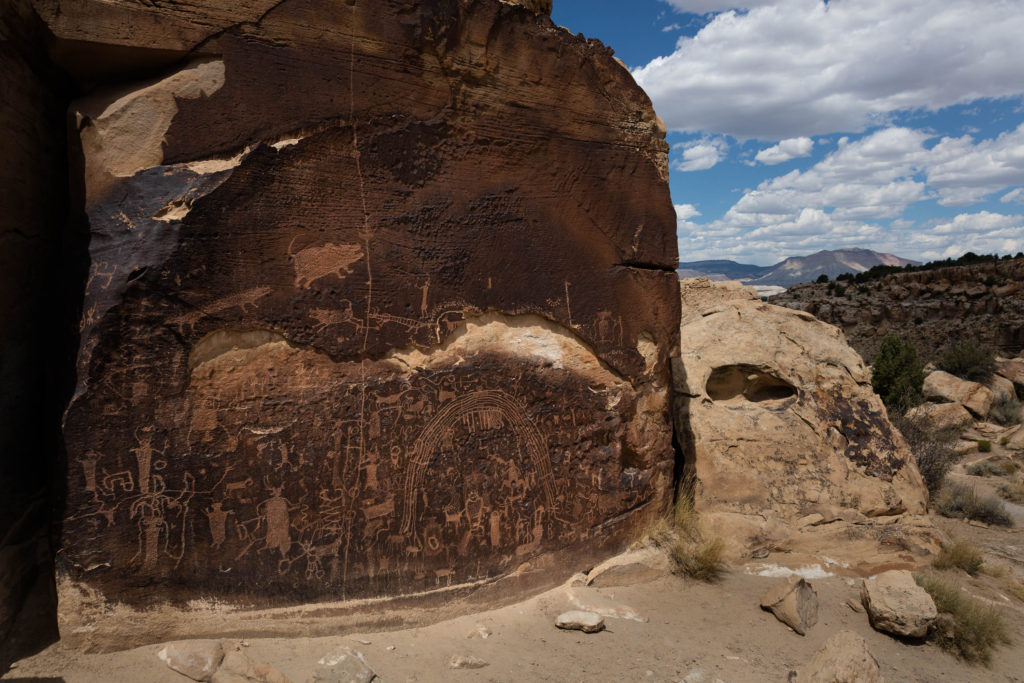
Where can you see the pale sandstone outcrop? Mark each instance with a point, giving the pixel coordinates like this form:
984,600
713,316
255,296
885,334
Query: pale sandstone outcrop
1013,370
943,387
942,416
1001,388
777,415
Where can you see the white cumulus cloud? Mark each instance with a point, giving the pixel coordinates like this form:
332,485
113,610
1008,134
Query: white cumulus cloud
786,150
1016,195
797,68
686,211
705,6
700,155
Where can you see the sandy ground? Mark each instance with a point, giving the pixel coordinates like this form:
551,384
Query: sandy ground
718,628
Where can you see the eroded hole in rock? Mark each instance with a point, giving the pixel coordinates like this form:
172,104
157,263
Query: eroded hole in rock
752,383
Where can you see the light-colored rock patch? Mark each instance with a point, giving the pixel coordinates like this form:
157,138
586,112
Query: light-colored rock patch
576,620
943,387
197,659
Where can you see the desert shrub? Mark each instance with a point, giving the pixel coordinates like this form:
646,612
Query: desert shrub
1006,410
823,278
967,360
959,555
1016,589
933,450
967,627
963,502
840,290
702,560
692,554
1012,491
897,374
988,468
984,446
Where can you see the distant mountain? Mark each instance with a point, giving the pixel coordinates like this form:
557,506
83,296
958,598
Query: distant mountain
795,269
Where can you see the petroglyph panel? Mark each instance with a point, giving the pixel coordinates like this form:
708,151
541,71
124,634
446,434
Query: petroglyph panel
279,469
390,314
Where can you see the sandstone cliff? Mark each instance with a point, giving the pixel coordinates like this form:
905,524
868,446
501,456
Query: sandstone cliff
983,303
381,303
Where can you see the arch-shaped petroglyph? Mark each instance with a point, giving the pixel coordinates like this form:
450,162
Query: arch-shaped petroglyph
479,405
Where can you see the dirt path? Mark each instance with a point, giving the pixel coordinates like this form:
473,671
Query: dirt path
717,628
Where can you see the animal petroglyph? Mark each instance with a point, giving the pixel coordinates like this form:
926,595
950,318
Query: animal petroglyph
245,301
313,263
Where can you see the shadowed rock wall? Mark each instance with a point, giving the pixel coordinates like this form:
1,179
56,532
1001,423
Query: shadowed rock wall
381,302
36,351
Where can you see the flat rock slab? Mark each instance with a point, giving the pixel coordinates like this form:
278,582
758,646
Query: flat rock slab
794,602
197,659
589,600
239,668
896,604
576,620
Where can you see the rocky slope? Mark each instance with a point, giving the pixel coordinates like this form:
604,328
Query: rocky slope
380,304
983,303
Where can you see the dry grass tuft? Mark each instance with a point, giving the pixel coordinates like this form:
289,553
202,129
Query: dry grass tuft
1013,491
963,502
966,626
1016,589
692,554
960,555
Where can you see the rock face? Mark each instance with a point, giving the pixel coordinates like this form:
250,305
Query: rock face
380,303
946,388
942,416
1013,370
983,303
897,605
778,419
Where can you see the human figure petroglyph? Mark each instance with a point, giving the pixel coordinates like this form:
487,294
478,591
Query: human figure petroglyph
313,263
218,518
102,269
275,511
144,456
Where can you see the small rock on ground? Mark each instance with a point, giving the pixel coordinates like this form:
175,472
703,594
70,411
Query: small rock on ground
794,602
466,662
588,622
197,659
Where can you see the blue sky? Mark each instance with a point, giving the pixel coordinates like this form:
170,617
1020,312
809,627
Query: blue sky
800,125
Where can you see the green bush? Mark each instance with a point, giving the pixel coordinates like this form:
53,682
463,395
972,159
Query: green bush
984,446
898,373
823,278
967,360
840,290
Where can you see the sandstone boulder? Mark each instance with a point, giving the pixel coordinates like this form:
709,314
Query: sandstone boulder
1012,370
343,336
942,416
896,604
776,414
794,602
1001,388
943,387
197,659
844,658
343,665
238,668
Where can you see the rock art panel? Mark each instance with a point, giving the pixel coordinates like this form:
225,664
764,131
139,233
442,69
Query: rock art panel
375,310
789,447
